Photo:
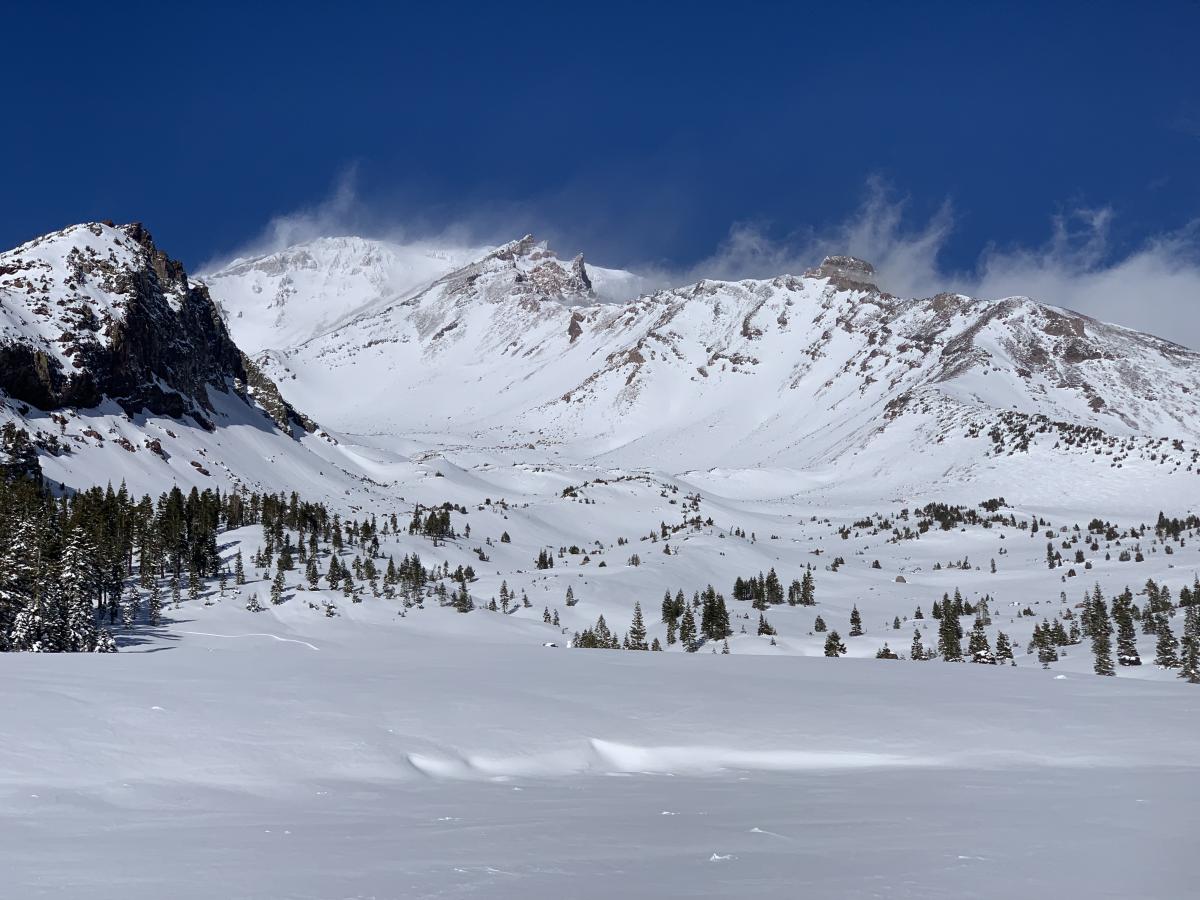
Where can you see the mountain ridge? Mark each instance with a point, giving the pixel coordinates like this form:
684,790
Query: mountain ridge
820,373
555,357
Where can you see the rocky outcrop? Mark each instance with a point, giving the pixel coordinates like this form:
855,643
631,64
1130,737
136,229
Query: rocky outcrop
266,392
97,311
846,272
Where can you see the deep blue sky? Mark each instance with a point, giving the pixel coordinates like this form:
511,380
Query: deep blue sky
639,131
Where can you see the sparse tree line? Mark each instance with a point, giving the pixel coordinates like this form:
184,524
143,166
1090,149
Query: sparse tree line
73,567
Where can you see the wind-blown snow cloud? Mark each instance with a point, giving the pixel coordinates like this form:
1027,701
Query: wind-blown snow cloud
906,258
344,212
339,213
1154,288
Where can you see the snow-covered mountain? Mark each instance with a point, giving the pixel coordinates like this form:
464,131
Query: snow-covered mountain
519,354
283,299
286,298
119,367
822,372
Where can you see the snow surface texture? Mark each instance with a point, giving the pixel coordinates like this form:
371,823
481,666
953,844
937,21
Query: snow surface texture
284,755
290,754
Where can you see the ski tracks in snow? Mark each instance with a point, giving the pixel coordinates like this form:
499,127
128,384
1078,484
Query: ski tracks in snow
255,634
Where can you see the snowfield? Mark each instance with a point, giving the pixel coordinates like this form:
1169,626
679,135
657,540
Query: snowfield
436,756
393,752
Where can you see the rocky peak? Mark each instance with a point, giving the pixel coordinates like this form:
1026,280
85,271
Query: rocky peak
579,271
846,272
536,271
169,271
97,311
518,248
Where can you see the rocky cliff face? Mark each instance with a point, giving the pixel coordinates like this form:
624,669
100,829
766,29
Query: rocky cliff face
97,311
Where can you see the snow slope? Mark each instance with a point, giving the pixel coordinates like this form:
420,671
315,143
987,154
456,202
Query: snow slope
288,297
822,374
283,299
286,755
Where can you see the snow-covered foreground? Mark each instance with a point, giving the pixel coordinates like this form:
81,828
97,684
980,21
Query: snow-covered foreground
282,755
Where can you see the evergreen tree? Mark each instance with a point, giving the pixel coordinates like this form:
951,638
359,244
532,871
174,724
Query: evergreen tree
1101,629
949,645
1166,646
714,617
253,605
855,623
833,645
129,607
1189,664
917,650
1127,650
668,607
40,625
18,578
773,589
978,646
277,588
637,630
77,585
808,590
1003,647
154,604
818,625
463,601
1047,650
105,643
687,630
